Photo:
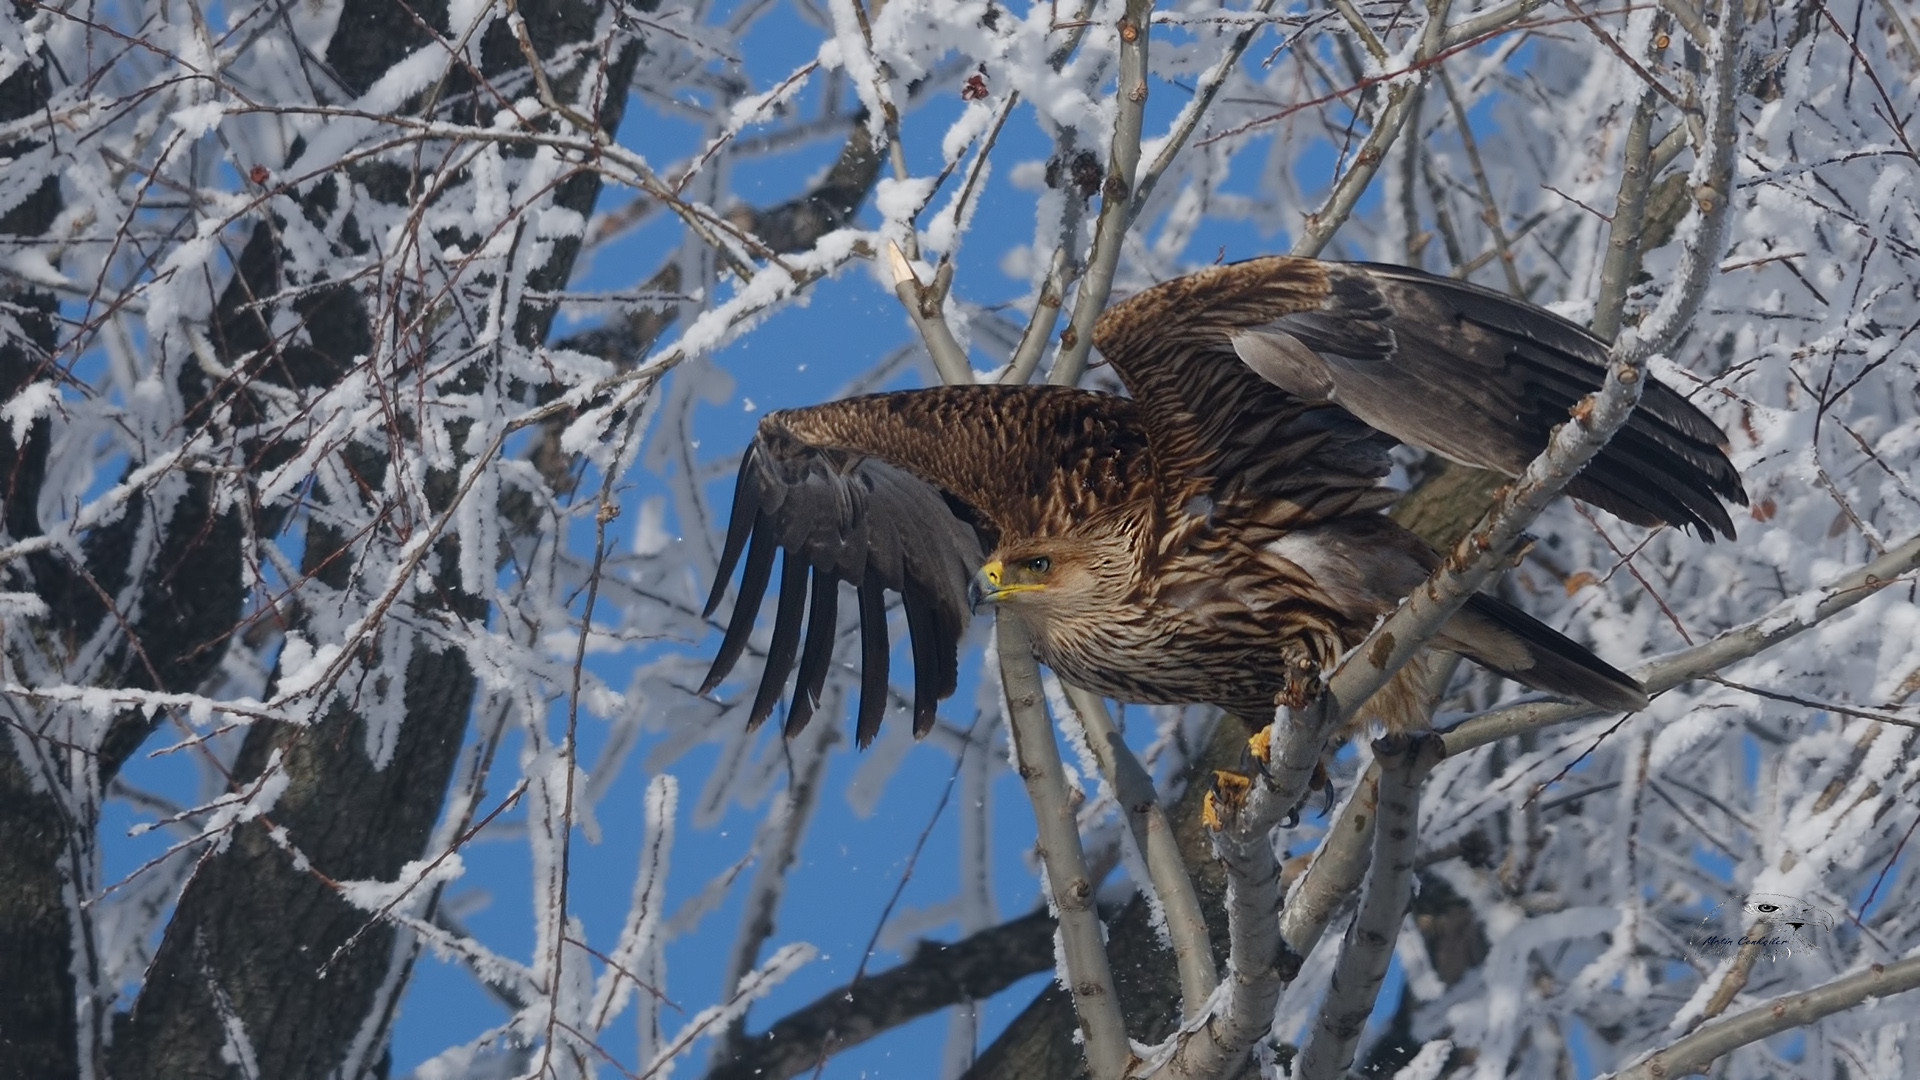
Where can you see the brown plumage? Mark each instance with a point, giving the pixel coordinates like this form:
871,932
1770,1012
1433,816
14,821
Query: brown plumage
1215,537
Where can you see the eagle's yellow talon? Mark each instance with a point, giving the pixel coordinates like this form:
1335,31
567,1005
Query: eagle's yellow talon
1229,794
1261,745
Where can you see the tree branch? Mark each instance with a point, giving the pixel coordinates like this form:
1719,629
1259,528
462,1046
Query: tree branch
1147,819
1189,118
1401,95
1069,887
923,308
1116,197
1403,764
937,975
1695,1052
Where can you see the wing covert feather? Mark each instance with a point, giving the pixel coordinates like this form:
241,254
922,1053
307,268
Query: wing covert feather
1445,365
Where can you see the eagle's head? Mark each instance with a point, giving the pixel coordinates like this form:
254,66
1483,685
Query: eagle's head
1055,577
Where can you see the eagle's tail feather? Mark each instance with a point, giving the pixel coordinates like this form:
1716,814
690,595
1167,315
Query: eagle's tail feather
1499,636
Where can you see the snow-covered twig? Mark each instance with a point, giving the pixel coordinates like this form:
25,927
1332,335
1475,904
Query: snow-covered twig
1069,885
1694,1053
1196,107
1783,621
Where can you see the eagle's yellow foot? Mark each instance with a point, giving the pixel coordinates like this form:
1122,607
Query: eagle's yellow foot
1300,677
1228,796
1260,746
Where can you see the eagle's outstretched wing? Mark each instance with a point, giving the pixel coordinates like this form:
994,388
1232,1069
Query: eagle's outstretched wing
904,492
1224,360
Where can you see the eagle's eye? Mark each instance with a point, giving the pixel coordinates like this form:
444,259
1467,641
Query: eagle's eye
1040,564
1768,907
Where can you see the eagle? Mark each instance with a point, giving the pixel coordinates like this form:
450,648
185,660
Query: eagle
1215,535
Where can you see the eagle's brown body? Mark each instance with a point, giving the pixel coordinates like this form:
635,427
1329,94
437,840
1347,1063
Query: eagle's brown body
1215,537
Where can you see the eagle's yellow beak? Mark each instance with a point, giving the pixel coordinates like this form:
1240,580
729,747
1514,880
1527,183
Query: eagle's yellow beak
990,585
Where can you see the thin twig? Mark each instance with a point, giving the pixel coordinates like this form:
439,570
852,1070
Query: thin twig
1489,206
1189,118
1333,213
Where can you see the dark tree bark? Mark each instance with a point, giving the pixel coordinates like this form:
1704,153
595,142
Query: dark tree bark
37,1032
257,937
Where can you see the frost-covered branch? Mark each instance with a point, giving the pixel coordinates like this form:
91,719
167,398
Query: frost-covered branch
1696,1052
1194,110
1322,223
1783,622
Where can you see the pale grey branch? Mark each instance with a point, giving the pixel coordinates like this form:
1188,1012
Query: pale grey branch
1069,885
1488,21
1116,197
1404,765
1189,117
1153,835
1046,305
923,309
1622,261
1695,1052
1333,213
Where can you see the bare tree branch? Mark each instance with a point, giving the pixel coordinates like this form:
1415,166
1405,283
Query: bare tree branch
923,308
1695,1052
1069,886
1320,225
936,976
1116,197
1403,766
1147,819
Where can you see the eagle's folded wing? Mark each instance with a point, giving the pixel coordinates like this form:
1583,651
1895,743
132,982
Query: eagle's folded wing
1441,364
